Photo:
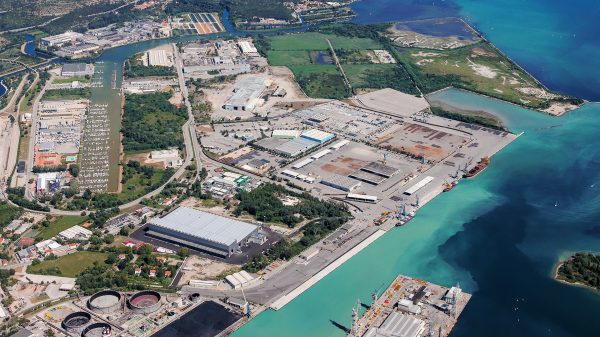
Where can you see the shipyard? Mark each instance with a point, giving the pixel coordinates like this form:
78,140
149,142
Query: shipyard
174,179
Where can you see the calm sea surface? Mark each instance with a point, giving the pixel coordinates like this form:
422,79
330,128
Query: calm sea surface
500,234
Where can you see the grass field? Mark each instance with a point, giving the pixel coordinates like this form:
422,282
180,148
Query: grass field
60,224
478,68
289,57
70,265
358,73
317,41
81,79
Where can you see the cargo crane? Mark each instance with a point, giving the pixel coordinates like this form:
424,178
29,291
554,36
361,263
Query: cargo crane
355,317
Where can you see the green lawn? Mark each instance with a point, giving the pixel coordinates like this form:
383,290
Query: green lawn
70,265
60,224
317,41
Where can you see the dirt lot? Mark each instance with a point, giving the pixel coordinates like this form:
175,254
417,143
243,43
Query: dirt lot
200,268
343,165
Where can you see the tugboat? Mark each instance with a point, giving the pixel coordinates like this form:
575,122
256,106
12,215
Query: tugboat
449,186
483,163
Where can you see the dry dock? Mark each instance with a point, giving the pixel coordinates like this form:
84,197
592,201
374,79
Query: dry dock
410,307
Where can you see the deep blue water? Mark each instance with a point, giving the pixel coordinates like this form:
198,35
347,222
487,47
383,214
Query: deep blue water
500,234
2,88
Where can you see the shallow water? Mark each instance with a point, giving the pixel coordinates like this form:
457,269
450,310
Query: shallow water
500,234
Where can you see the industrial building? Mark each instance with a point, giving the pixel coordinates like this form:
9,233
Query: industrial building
317,135
296,147
159,57
60,39
285,134
77,69
76,232
419,185
247,94
341,182
203,231
247,47
398,325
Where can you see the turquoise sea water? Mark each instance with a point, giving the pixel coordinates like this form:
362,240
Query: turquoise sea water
500,234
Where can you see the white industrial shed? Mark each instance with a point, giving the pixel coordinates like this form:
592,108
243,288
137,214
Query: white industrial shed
398,325
203,231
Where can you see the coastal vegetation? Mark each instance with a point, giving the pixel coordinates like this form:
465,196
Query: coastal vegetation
479,68
469,117
581,268
151,122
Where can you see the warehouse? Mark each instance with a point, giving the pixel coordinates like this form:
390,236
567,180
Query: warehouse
317,135
202,231
418,185
285,134
398,325
341,182
296,147
379,169
246,94
77,69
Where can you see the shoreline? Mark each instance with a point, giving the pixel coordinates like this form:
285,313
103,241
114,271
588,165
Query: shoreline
556,277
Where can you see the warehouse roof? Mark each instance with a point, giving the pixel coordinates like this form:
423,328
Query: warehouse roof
398,325
205,225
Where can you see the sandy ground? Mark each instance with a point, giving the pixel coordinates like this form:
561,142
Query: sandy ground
200,268
557,108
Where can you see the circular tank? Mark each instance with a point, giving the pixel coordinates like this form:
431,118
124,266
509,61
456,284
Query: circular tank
97,330
74,322
105,301
145,301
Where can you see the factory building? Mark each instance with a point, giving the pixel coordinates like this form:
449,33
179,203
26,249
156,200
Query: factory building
317,135
77,69
203,231
60,39
247,94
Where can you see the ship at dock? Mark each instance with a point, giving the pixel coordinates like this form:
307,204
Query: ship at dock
481,165
410,307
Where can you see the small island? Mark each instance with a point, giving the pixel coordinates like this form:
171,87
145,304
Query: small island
581,269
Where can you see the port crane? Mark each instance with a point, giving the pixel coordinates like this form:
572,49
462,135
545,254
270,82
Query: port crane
355,317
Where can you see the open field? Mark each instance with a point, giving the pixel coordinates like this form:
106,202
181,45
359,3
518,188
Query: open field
70,265
320,81
60,224
364,75
318,41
